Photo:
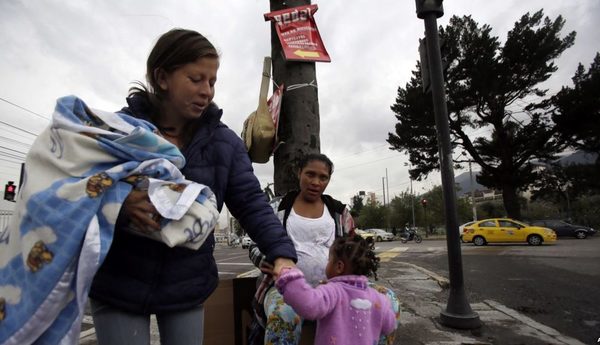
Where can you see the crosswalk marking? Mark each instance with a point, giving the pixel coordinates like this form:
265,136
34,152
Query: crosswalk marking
391,253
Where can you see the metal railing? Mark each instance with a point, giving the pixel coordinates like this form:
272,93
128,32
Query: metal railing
4,218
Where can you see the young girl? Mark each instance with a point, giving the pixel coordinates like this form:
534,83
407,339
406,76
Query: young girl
346,309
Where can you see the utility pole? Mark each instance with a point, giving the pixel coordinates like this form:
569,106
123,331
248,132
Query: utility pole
387,186
383,187
299,116
458,312
472,193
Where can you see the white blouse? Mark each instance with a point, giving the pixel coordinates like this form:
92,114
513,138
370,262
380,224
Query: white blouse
312,238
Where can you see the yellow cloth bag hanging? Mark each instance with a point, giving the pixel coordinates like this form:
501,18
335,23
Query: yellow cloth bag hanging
259,130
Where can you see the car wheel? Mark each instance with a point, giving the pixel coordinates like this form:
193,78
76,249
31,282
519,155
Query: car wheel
580,235
534,240
378,238
479,241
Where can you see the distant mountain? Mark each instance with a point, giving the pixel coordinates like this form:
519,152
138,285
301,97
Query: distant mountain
463,181
577,157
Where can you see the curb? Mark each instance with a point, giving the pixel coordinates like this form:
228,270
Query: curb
443,282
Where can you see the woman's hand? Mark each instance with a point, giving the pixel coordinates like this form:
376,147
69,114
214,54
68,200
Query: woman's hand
280,263
140,211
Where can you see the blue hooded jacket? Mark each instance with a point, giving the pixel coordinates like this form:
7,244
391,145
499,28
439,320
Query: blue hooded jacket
140,275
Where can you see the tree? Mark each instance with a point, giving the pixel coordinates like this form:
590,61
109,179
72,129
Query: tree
357,205
576,110
373,215
489,87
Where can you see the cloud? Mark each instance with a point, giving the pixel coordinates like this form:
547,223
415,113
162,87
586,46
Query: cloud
96,49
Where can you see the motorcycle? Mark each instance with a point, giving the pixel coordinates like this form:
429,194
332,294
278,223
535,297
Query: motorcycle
409,235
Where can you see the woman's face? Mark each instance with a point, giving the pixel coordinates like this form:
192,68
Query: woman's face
314,178
189,89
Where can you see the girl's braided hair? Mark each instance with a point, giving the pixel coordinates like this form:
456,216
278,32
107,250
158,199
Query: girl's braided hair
359,253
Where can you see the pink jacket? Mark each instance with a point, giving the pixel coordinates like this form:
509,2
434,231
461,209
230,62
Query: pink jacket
347,310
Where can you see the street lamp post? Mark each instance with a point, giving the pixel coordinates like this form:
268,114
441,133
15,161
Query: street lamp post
412,197
458,312
472,193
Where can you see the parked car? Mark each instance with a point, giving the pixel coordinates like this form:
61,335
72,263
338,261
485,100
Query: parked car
496,230
563,228
246,241
381,235
364,234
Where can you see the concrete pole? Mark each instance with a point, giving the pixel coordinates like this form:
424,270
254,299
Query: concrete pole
383,187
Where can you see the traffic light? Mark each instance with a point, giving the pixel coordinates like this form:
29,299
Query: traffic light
9,191
424,203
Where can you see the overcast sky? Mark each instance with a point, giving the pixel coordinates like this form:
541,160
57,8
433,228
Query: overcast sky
95,49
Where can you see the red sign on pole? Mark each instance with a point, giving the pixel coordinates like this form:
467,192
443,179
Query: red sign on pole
298,33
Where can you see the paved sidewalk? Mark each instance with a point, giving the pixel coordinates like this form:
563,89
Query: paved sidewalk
423,295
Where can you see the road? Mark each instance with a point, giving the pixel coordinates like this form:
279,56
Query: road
556,285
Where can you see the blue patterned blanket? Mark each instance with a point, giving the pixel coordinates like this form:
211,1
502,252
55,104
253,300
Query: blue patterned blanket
77,174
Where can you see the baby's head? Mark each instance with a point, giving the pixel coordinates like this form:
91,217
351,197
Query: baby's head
352,255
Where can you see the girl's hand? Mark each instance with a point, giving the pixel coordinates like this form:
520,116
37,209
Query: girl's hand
140,211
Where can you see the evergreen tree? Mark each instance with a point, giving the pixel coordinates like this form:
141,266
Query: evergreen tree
576,110
493,99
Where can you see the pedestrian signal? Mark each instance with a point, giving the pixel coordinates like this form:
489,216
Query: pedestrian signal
10,191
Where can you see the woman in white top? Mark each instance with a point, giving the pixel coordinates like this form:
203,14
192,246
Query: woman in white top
312,220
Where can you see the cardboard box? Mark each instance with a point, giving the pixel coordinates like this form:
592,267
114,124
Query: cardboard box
228,314
218,316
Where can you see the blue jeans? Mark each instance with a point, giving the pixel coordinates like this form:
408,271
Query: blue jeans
117,327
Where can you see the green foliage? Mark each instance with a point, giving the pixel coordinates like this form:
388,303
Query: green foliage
490,209
399,212
576,110
489,86
357,205
372,216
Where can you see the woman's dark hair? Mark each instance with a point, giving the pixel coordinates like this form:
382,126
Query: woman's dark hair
174,49
315,157
359,253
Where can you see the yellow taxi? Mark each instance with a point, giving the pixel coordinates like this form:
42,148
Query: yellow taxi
503,230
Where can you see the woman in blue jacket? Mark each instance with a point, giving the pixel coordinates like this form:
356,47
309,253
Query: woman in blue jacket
140,276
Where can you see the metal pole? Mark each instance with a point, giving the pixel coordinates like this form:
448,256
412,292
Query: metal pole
458,312
383,187
412,204
472,194
412,196
387,185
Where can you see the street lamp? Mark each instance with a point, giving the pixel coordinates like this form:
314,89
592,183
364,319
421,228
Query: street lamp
412,197
458,312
